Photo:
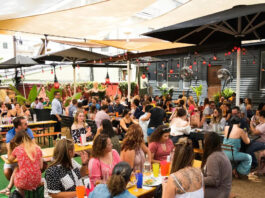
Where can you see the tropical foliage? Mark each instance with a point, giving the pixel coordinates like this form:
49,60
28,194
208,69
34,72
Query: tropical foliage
198,92
165,90
123,87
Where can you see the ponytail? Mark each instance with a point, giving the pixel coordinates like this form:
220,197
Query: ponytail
116,184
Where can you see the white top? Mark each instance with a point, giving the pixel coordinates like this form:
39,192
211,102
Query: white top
198,193
177,131
144,126
56,107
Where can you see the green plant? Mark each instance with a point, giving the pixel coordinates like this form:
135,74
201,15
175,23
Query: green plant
33,94
198,92
216,98
123,87
68,100
50,94
164,90
227,93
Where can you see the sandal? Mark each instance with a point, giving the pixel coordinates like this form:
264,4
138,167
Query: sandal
5,191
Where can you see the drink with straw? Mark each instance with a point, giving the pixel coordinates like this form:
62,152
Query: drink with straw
155,169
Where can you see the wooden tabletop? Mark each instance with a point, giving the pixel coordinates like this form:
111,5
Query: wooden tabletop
30,123
48,152
138,192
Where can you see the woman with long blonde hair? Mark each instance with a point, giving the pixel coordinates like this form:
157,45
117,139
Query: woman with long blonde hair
80,127
27,176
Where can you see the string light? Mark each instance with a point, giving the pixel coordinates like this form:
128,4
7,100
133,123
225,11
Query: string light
171,71
229,53
190,66
214,58
149,63
51,71
204,62
143,76
178,65
225,54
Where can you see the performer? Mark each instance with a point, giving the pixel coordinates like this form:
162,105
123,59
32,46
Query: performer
95,91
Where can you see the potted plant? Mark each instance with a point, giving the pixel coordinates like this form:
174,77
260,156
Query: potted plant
198,92
164,90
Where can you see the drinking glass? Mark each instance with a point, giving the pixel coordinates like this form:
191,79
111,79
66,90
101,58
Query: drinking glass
155,169
80,191
164,168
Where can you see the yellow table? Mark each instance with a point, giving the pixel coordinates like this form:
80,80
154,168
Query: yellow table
142,191
48,152
30,123
197,164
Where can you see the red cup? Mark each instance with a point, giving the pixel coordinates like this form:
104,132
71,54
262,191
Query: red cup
164,168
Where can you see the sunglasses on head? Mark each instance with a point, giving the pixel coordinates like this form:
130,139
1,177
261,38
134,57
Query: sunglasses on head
166,130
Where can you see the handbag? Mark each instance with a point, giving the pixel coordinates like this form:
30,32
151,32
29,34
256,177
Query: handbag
15,194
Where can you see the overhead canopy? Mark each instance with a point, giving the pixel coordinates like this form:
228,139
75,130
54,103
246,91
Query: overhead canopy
71,55
87,44
238,23
141,45
17,62
91,21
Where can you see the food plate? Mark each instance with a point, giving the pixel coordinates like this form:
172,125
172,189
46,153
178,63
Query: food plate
152,181
130,184
87,143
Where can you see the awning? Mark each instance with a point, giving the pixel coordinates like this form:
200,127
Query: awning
141,45
18,62
70,55
91,21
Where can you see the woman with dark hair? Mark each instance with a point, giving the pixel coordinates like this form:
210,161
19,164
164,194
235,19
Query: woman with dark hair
233,136
116,185
107,128
160,144
184,181
126,121
216,168
133,148
104,158
258,144
249,109
179,125
64,173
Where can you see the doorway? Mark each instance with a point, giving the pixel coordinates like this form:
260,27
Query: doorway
214,84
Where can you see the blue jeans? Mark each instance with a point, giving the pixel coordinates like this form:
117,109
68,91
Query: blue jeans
244,161
252,148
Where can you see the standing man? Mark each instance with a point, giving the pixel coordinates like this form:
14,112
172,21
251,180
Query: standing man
57,111
20,124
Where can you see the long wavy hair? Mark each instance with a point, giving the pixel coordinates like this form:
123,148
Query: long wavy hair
158,133
76,118
133,138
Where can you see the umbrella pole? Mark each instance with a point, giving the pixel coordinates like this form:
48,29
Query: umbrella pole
74,79
238,73
129,79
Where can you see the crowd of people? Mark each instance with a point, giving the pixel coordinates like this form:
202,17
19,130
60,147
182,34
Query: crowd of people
152,130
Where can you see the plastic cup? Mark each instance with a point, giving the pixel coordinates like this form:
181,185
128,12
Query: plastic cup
156,169
80,191
139,183
83,139
164,168
117,114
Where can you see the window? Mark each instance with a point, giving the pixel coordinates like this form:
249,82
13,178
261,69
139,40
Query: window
262,71
173,76
161,71
5,46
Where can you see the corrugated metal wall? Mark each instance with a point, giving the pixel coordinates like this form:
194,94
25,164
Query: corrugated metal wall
250,73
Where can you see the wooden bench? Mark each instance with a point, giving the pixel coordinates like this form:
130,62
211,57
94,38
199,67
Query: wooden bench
227,147
3,133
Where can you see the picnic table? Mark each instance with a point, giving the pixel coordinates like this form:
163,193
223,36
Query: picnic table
48,122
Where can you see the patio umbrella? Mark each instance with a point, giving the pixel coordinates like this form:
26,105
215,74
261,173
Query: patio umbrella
243,22
18,62
73,55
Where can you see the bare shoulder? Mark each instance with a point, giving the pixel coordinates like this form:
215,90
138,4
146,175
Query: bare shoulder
190,178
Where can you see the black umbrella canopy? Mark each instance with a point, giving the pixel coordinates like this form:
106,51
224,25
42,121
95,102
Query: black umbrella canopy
71,55
17,62
243,22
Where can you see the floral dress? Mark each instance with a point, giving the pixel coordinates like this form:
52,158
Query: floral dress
28,174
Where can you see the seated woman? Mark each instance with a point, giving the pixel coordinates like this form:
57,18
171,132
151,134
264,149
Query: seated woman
184,180
216,168
133,148
226,110
27,176
106,128
116,186
160,144
104,158
126,121
233,136
80,127
26,112
64,173
92,112
217,122
15,112
3,109
258,144
179,125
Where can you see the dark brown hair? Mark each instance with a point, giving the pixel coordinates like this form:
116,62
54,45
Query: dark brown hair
120,177
183,155
133,138
61,154
212,143
99,145
158,133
